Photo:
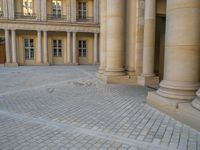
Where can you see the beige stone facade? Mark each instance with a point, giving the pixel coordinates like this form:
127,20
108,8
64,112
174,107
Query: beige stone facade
56,31
154,43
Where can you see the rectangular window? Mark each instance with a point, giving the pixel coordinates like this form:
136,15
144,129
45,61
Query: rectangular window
57,48
29,48
27,7
82,10
56,8
82,47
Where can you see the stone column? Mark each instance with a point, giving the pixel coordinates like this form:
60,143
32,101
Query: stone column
69,48
96,11
130,37
7,43
5,8
73,10
148,76
103,21
115,38
75,62
45,40
14,55
196,101
38,13
182,51
39,47
95,48
44,10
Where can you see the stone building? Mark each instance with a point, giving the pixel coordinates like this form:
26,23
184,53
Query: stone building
154,42
42,32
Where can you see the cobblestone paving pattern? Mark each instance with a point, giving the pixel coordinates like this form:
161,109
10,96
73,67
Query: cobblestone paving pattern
68,108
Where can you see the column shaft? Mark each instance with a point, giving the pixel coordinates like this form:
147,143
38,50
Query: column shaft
7,42
103,7
95,48
74,48
115,38
45,47
11,9
149,38
38,9
182,50
14,55
69,48
39,47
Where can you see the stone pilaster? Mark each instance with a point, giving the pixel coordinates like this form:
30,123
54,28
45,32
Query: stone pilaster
103,22
14,50
182,59
95,48
45,43
148,76
96,11
11,9
69,61
73,10
44,10
68,10
7,45
39,37
115,38
74,51
5,8
38,13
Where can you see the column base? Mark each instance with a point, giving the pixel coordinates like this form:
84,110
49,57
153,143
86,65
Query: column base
196,103
114,72
2,65
125,79
11,65
148,80
74,64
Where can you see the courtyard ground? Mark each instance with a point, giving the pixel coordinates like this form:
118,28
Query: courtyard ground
68,108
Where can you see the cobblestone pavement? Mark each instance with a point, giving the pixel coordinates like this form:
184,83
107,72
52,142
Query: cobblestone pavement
65,108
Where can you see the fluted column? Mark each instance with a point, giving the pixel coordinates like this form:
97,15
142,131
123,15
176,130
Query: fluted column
45,47
7,43
149,38
5,8
96,11
182,50
73,10
39,47
75,62
69,48
115,38
95,48
103,21
196,101
14,55
44,10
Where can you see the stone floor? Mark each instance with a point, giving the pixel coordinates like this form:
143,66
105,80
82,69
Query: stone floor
63,108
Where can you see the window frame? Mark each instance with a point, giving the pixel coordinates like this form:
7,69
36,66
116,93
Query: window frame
82,10
82,50
30,48
31,8
56,14
57,49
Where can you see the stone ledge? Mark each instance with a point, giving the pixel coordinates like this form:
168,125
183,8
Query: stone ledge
148,80
178,109
11,65
188,115
129,80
